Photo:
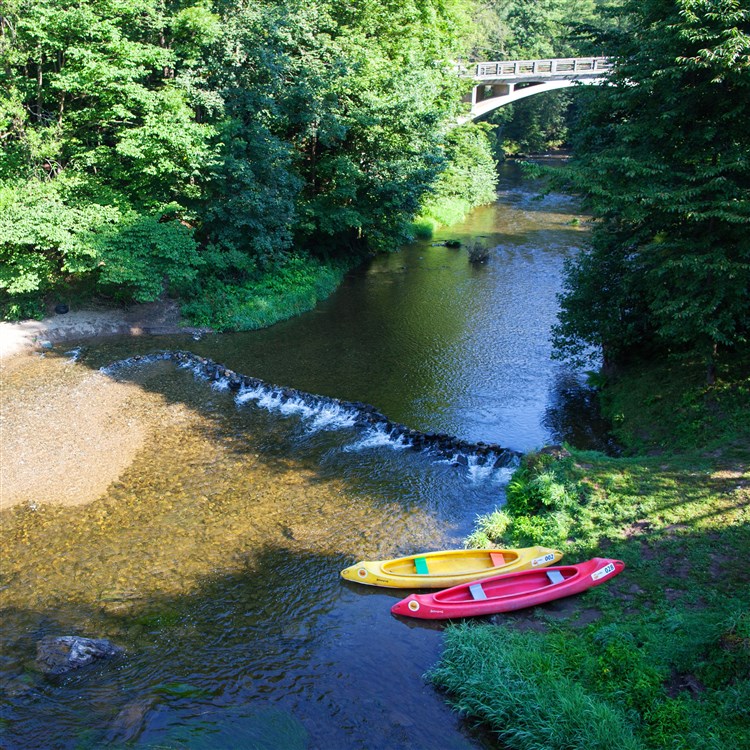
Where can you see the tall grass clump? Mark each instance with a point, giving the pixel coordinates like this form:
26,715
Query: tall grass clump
288,290
510,681
547,504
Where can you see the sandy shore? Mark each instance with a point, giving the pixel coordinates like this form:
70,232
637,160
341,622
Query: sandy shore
67,433
152,318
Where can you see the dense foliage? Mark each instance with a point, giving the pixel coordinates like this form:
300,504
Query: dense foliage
195,147
662,159
532,29
150,146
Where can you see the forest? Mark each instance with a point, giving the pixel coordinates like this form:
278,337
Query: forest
240,155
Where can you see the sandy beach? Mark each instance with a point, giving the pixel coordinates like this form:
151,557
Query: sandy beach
152,318
67,432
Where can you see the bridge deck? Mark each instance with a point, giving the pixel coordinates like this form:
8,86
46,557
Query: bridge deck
551,69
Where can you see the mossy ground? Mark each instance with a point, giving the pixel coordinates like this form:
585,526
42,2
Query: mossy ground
659,657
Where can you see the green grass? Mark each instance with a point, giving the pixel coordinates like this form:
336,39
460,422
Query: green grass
289,290
661,654
489,671
667,406
443,212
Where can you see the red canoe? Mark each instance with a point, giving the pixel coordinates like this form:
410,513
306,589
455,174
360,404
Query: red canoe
505,593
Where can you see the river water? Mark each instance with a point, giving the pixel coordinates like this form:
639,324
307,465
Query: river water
213,556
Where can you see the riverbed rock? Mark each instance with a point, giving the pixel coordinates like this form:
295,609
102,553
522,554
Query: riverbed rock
61,654
556,451
365,414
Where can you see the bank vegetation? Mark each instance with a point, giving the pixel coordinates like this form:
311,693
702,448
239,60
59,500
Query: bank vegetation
659,658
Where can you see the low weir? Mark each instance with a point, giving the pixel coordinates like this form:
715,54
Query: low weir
331,413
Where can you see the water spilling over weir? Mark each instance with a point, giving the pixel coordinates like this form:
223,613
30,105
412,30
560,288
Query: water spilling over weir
326,413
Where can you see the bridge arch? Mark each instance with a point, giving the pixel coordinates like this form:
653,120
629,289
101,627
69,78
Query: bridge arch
504,82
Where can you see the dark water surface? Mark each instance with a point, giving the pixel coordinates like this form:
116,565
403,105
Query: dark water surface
214,557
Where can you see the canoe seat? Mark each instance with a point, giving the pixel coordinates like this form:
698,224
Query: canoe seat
477,592
421,565
498,559
555,576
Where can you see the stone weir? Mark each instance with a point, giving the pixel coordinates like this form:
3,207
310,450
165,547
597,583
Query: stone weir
331,412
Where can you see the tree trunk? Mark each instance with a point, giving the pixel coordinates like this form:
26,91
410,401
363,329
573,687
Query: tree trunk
711,365
609,366
39,82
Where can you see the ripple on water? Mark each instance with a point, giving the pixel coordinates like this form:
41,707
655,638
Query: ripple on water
213,549
213,558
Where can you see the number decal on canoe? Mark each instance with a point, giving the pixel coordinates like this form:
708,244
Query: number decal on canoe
605,571
548,558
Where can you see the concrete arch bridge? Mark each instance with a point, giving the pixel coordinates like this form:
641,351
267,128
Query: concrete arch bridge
500,83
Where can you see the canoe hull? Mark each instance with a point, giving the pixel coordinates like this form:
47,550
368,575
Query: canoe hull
510,592
448,567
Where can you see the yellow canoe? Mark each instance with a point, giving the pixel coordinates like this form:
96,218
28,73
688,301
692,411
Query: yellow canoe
438,570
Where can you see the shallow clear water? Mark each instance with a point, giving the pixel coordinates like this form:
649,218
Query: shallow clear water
214,557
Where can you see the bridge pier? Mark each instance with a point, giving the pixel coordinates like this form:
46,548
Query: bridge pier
485,91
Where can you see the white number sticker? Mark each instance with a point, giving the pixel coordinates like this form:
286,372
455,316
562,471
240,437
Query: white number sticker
605,571
537,561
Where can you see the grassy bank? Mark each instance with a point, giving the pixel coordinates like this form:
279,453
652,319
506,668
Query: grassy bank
293,288
660,657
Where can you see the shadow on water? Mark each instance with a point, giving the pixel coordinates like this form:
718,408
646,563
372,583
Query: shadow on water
233,664
214,559
246,657
574,416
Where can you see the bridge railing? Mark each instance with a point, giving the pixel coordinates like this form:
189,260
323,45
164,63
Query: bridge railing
557,66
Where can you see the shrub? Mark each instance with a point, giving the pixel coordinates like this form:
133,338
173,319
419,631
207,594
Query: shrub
292,288
478,251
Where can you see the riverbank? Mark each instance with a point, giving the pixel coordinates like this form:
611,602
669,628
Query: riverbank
661,656
135,320
63,417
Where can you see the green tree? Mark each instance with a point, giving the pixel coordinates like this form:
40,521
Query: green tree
188,144
470,178
97,136
662,159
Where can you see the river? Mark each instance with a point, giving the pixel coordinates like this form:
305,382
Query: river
221,520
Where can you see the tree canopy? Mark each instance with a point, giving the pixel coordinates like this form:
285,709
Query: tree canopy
222,134
663,160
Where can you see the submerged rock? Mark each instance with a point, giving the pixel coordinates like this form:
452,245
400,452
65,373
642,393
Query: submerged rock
60,654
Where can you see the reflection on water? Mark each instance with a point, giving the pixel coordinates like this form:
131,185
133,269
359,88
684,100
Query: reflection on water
213,557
